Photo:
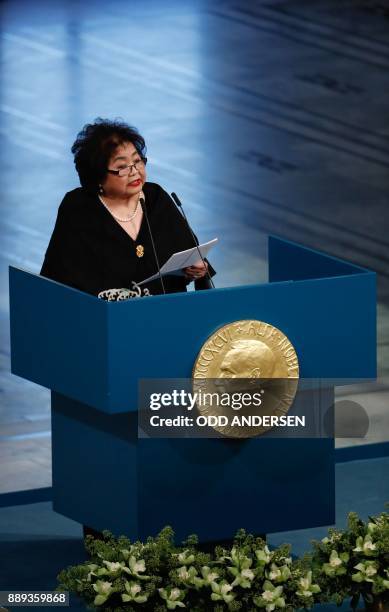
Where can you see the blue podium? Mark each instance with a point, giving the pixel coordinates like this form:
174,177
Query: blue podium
92,354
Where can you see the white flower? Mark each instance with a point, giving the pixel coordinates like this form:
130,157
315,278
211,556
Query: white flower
92,567
268,595
137,566
208,575
271,597
102,586
185,558
172,597
113,566
263,555
306,588
335,561
183,573
287,560
103,590
366,570
365,545
370,571
222,592
305,583
248,573
225,588
188,574
274,573
135,588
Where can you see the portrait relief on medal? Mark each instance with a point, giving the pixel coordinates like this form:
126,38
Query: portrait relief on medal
244,356
248,359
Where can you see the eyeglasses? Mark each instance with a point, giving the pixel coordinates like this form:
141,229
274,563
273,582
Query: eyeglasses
124,170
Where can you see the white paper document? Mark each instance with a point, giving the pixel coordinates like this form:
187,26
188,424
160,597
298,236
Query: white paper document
183,259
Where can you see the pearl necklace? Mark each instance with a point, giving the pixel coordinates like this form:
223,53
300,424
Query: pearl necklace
127,219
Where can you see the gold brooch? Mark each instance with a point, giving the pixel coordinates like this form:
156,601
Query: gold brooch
140,250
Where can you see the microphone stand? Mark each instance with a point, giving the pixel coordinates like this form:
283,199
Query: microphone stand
179,205
142,203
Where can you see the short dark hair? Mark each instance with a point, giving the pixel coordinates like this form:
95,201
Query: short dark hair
94,146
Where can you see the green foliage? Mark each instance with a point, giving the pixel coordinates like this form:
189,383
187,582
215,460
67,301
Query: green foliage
248,577
353,562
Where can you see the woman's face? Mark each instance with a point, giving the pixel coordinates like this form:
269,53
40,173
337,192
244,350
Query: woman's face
133,178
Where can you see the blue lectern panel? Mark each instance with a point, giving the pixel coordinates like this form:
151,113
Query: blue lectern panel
95,466
215,487
104,477
58,337
331,322
291,261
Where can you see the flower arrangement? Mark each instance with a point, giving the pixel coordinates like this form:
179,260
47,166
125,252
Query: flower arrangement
354,562
123,576
158,576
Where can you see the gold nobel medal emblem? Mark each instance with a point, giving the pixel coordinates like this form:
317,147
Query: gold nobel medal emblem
246,357
140,250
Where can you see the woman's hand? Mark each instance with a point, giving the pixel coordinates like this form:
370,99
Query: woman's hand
197,271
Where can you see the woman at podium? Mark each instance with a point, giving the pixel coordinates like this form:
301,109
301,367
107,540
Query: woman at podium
115,227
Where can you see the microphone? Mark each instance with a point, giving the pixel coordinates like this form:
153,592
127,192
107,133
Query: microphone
179,205
142,203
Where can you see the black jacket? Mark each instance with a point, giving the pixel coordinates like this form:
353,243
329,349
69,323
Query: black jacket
89,250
